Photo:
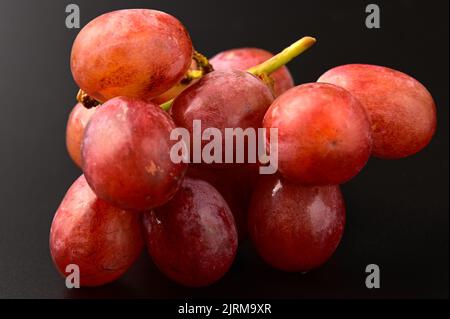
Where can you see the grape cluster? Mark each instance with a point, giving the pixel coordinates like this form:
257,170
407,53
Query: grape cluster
140,78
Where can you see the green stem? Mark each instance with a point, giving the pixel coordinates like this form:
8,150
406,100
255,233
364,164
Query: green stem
273,64
167,105
284,57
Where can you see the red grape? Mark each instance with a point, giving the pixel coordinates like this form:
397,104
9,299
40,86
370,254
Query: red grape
223,99
245,58
126,154
192,239
401,109
293,227
324,135
235,185
135,52
78,119
102,240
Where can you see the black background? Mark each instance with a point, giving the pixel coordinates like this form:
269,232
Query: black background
397,211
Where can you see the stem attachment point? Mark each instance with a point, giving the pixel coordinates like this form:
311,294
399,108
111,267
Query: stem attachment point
284,57
87,101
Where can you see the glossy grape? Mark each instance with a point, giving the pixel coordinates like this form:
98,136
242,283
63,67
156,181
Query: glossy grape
245,58
324,135
223,99
126,154
78,120
192,239
134,52
102,240
293,227
401,110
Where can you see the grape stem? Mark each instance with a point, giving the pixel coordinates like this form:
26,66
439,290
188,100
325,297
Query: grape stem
203,67
263,70
282,58
86,100
166,105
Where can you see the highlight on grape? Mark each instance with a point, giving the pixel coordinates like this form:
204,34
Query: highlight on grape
233,145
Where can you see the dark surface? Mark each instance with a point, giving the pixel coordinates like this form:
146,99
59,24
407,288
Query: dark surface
397,210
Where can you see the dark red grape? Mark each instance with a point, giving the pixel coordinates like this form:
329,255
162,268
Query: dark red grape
126,154
245,58
78,119
102,240
401,109
134,52
324,135
192,239
295,228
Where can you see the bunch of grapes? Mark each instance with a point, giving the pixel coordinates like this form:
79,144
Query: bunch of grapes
140,78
